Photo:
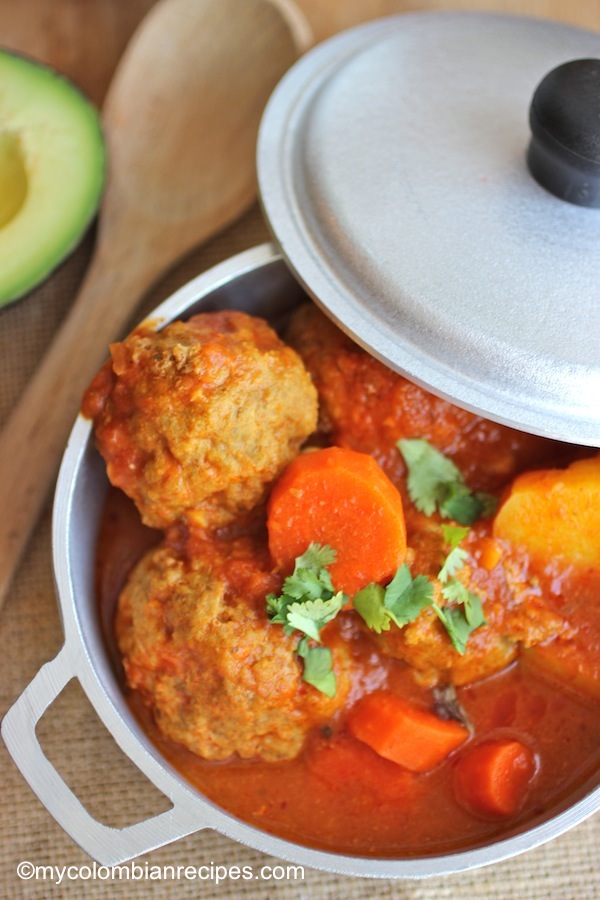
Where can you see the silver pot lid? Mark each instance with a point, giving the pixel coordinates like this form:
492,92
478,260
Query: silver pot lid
392,165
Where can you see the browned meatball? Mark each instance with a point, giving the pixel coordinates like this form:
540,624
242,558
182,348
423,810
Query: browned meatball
218,676
200,417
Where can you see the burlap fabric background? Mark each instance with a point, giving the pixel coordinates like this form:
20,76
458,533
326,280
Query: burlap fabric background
85,754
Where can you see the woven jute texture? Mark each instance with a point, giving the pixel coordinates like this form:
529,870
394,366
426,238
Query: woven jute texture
85,754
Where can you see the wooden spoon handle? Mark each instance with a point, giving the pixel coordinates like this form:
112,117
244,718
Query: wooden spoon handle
34,437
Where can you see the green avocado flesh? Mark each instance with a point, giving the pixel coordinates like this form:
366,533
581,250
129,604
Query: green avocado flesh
52,168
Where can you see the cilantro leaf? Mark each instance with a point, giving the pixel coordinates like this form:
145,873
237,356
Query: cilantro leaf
461,620
452,564
460,504
307,603
489,504
400,602
312,615
406,596
369,604
316,557
435,483
454,535
277,608
309,582
318,669
297,621
455,560
456,624
466,612
456,591
399,584
304,584
429,471
474,611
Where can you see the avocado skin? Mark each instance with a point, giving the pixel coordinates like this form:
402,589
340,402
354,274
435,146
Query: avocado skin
59,133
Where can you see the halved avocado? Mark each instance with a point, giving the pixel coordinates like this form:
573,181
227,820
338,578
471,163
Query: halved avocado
52,169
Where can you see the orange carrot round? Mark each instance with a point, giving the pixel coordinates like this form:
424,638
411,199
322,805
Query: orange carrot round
492,778
405,733
344,499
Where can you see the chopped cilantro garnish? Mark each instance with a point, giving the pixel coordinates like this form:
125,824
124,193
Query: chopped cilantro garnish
316,557
400,602
453,535
312,615
435,483
369,604
461,619
405,597
307,603
308,599
318,669
457,556
429,473
305,584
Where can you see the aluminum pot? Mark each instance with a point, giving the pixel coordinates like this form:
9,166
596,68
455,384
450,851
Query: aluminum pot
257,281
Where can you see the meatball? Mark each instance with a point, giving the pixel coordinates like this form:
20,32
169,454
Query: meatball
196,420
197,644
367,407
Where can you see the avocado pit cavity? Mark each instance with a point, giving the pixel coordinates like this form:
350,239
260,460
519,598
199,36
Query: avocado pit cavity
13,176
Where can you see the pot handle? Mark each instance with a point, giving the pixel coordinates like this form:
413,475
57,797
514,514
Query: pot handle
108,846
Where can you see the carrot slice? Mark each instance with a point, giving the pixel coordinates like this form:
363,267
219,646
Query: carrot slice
405,733
341,498
492,778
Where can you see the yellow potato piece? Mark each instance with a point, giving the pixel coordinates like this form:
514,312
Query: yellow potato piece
555,514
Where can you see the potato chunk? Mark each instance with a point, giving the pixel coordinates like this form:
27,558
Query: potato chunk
554,514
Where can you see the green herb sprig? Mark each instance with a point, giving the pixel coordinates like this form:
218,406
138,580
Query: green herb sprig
435,483
405,597
307,603
464,612
400,602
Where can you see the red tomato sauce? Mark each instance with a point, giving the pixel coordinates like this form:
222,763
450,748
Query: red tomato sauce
338,794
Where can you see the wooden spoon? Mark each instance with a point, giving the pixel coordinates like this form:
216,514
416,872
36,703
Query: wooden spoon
181,119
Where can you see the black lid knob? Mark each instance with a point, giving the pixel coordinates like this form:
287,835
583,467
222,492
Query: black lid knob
564,152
